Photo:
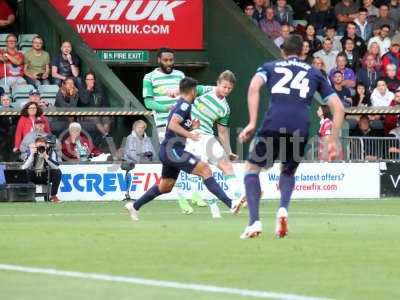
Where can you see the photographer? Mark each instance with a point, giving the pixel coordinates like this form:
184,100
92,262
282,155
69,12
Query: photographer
138,146
42,165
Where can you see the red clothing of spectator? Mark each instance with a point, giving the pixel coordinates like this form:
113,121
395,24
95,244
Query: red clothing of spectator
69,148
390,121
324,132
12,70
26,125
5,10
391,58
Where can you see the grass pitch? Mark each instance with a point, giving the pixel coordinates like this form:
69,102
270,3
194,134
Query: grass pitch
336,249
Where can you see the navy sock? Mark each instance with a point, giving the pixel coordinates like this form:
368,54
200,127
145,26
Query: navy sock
214,188
253,194
152,193
286,185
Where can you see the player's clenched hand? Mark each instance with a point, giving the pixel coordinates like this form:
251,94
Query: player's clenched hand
246,133
195,136
195,123
233,157
173,93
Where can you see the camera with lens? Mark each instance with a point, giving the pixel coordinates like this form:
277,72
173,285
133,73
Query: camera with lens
41,149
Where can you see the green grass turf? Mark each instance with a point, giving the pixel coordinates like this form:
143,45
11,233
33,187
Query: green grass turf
327,254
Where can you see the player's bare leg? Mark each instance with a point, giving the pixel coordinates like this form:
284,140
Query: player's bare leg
165,186
253,194
204,171
238,196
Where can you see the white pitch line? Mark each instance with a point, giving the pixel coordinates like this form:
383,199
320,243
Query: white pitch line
160,283
199,213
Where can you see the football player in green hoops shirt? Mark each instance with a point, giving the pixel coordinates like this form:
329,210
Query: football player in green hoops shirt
213,108
160,92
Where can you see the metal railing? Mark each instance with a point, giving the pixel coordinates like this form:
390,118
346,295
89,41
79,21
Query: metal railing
359,148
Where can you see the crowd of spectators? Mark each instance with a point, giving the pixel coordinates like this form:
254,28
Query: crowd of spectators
355,44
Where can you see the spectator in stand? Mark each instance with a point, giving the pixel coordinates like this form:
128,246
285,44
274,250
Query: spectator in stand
368,75
382,40
92,96
14,63
259,10
364,129
315,43
375,51
381,96
7,17
341,90
285,31
391,79
31,137
284,13
353,58
322,15
248,11
384,19
271,27
1,91
392,56
336,44
346,11
349,78
325,130
319,64
364,28
138,146
64,65
6,101
394,11
68,94
301,9
392,121
327,55
26,123
76,146
359,44
305,54
37,64
362,97
373,11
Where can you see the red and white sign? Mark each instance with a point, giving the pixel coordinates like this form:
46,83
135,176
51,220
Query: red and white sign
136,24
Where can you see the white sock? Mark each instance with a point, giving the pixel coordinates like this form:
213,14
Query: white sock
235,190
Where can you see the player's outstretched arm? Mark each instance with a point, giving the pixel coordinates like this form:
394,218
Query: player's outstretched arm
223,136
175,126
253,100
336,106
154,105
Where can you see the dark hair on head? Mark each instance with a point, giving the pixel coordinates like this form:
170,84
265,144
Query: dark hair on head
293,45
352,23
66,41
326,112
348,39
164,50
363,9
364,116
341,55
384,25
187,84
90,72
24,110
380,79
331,27
337,72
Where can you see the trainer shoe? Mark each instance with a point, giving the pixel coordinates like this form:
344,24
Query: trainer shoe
132,211
238,204
185,206
215,212
55,199
252,231
196,200
282,226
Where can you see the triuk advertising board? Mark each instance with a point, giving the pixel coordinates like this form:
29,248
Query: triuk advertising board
313,181
136,24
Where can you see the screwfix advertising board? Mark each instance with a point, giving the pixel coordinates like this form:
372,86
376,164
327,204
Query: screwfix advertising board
136,24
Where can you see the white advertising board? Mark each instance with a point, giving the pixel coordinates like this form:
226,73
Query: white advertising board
99,182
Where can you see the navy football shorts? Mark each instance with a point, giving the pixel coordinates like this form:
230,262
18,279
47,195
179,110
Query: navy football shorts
270,146
176,159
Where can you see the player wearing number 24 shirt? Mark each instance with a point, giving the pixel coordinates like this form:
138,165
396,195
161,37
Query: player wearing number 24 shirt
291,84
